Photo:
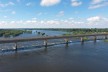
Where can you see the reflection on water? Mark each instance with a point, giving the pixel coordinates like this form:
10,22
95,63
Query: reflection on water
89,57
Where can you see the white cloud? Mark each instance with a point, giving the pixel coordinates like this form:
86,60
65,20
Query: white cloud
29,4
35,23
18,0
91,22
98,3
61,13
94,19
97,21
5,16
12,22
76,3
7,4
40,13
49,2
13,12
52,22
34,18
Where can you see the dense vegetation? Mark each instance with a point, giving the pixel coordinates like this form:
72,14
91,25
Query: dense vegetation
83,31
76,31
8,32
16,32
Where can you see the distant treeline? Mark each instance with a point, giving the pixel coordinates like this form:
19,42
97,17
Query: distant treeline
16,32
67,29
84,30
75,29
11,32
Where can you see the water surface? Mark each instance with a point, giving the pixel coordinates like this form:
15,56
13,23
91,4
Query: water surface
89,57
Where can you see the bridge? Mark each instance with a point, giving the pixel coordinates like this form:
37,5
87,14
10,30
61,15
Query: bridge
46,38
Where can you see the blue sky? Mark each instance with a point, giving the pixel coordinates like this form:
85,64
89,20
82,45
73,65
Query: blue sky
53,13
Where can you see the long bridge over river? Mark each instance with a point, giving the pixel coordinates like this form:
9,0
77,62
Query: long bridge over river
46,38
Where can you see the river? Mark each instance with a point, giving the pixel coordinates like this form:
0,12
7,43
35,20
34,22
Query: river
89,57
76,57
47,32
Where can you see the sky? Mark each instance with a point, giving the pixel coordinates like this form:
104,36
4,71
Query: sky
53,13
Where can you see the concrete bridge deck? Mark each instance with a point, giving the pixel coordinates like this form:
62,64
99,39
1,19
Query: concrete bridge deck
14,40
45,39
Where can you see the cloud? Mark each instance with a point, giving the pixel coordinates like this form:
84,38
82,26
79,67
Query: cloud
97,21
90,22
40,13
75,3
7,4
98,3
52,22
18,0
34,18
5,16
94,19
29,4
61,13
13,12
49,2
34,23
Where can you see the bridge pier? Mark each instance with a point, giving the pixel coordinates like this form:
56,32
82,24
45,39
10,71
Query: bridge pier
82,40
15,46
95,38
45,43
106,37
67,41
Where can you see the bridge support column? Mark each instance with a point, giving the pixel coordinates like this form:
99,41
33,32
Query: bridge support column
106,37
82,40
45,43
95,38
67,42
15,46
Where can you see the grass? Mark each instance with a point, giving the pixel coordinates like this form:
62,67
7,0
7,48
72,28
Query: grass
106,40
85,38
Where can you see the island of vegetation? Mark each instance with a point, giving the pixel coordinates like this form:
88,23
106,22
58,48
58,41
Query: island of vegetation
76,31
13,33
71,31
